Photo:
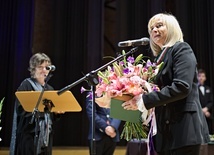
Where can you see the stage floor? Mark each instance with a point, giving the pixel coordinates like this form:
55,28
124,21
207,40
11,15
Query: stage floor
71,151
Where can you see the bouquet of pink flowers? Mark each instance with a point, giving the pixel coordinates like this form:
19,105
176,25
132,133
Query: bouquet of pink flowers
129,76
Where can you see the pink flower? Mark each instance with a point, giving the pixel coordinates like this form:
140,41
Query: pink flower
126,77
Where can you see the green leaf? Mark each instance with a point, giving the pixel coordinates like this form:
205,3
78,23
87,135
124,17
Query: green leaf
1,103
124,58
117,69
102,76
138,59
160,66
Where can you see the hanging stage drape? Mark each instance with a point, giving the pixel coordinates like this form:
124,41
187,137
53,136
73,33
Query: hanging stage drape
73,34
16,30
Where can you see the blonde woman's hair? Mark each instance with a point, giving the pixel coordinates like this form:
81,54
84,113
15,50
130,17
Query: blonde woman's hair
174,32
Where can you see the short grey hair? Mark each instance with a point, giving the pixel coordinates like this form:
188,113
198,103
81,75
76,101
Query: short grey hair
36,60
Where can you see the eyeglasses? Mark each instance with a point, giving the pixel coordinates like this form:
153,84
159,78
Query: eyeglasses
41,67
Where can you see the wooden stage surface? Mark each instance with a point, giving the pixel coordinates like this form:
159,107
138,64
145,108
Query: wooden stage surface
120,150
71,151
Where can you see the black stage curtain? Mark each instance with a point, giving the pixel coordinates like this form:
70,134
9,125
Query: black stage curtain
16,30
72,33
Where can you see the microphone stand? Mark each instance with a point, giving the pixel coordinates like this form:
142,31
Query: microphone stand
91,74
35,113
93,81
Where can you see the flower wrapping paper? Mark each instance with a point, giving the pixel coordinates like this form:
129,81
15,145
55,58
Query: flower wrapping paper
118,112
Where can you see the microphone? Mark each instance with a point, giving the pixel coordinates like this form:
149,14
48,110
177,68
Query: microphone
51,68
137,42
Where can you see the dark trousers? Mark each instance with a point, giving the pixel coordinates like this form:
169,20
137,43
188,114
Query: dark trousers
105,146
187,150
210,125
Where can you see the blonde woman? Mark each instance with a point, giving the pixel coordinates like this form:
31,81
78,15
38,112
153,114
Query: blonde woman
181,125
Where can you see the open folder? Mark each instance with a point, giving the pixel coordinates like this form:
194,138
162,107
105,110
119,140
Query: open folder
118,112
65,102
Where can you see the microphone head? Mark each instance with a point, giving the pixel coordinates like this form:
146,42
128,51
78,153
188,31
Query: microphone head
124,43
51,68
145,41
137,42
142,41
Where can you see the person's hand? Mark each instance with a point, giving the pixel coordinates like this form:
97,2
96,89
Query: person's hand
59,112
205,109
207,114
112,135
132,104
110,131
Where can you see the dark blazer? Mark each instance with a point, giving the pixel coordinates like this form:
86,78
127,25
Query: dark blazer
180,121
206,99
101,118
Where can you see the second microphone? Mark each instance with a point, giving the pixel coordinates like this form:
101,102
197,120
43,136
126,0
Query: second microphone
51,68
137,42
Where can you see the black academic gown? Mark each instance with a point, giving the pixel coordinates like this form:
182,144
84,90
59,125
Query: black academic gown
25,132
